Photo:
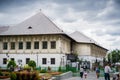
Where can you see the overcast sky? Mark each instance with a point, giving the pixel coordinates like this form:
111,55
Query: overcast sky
98,19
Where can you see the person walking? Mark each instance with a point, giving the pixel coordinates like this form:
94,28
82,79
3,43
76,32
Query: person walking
81,72
107,71
97,72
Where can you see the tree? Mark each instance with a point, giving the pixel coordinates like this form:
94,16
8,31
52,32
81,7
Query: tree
32,64
114,56
11,63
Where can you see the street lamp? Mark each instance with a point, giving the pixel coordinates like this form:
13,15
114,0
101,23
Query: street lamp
37,59
63,60
7,56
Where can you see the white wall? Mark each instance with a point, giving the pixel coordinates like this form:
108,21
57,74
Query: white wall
23,57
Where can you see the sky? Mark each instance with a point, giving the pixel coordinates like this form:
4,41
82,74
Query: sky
98,19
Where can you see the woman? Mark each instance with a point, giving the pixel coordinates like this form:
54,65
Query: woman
97,72
107,71
81,72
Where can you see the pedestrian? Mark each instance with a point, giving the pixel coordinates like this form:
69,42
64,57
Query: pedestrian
84,67
81,72
85,74
97,72
107,71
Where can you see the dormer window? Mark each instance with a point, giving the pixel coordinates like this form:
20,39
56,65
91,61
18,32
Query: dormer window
29,27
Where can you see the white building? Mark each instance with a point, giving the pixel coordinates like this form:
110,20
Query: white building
87,49
39,39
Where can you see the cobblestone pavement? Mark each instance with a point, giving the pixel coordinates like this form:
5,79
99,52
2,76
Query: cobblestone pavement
91,76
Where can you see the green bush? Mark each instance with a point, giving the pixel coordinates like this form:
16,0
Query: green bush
1,73
43,71
32,64
59,69
69,68
13,76
11,63
26,67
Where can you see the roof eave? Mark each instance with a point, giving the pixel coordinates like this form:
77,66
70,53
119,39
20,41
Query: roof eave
94,44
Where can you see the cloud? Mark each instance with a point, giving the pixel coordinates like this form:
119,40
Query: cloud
110,12
107,31
98,19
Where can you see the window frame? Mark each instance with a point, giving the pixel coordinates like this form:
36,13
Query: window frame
13,59
5,45
44,62
20,45
4,60
44,44
28,46
27,60
53,44
52,60
36,45
12,45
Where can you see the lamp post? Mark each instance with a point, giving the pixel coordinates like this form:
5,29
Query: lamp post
7,56
37,58
63,60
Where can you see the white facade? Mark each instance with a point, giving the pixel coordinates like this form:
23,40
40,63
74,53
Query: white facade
60,59
59,53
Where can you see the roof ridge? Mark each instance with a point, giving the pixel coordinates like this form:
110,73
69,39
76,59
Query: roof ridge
85,36
51,21
41,25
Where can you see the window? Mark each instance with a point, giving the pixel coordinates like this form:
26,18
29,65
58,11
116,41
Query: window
29,27
20,45
44,45
12,59
5,45
36,45
52,60
12,45
27,60
44,61
28,45
4,60
53,44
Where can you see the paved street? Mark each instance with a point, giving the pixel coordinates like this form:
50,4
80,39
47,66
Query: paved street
91,76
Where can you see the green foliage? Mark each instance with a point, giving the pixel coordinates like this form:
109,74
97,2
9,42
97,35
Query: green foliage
1,73
59,69
43,71
69,68
13,76
114,56
32,64
11,63
26,67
